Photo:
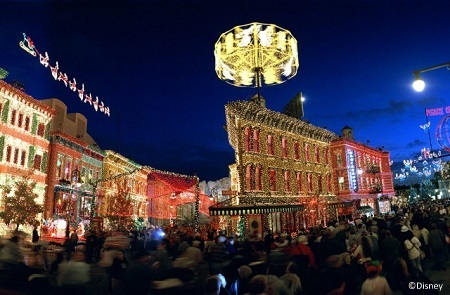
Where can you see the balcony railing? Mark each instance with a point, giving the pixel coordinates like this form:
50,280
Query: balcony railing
373,169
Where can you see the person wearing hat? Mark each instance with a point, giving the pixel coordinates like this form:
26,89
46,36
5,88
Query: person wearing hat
375,284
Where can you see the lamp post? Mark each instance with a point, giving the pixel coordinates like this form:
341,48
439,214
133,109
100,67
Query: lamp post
419,84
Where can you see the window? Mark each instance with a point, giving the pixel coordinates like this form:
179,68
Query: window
317,154
284,148
256,141
270,145
37,162
272,180
287,183
20,121
339,160
247,143
13,117
325,155
310,183
1,108
58,168
296,150
8,153
258,185
67,171
27,123
319,183
248,178
16,156
41,129
23,158
306,152
299,181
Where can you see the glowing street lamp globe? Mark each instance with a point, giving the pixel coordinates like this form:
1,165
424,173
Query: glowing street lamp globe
256,54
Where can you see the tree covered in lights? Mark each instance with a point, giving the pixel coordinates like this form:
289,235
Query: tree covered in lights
426,189
120,208
412,195
20,207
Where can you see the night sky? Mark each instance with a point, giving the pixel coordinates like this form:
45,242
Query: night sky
152,64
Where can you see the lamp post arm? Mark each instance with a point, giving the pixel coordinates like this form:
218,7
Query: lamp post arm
447,64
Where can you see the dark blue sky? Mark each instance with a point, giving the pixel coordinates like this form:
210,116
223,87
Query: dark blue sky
152,63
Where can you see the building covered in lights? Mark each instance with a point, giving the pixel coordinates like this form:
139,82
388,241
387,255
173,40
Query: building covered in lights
24,138
282,177
361,174
121,176
75,164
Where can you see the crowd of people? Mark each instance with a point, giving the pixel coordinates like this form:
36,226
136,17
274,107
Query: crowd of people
367,255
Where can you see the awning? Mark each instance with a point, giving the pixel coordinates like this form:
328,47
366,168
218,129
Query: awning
253,209
336,205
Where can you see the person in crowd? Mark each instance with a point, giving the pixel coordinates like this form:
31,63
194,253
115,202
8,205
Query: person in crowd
390,247
375,284
436,241
291,279
91,243
218,256
352,276
257,285
275,286
118,271
412,246
245,273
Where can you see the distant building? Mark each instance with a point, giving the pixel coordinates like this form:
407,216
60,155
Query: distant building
120,172
361,174
24,138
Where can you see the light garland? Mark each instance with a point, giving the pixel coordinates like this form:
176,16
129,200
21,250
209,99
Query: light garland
28,45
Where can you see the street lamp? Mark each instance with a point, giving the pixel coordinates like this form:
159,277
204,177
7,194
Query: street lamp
419,84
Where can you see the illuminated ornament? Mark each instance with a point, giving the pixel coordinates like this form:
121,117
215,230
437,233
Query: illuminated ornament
426,126
256,54
3,73
28,45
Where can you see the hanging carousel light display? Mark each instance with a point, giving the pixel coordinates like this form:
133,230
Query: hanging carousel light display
256,54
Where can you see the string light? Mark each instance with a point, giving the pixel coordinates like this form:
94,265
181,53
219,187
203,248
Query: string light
28,45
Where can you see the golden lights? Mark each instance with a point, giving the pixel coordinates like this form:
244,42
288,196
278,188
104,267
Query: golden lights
254,54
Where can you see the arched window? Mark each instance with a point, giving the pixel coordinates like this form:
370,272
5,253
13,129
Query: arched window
299,181
317,154
8,153
306,152
258,178
248,178
247,141
270,145
284,148
256,141
296,150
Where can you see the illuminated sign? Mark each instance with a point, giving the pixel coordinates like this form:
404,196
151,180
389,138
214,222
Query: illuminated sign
352,173
438,111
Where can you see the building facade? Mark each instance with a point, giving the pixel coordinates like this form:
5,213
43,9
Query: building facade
24,138
279,160
361,174
122,175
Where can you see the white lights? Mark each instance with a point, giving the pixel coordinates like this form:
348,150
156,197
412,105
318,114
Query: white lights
254,54
418,84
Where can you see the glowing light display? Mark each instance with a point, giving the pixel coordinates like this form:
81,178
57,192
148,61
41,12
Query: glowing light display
28,45
254,54
352,170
